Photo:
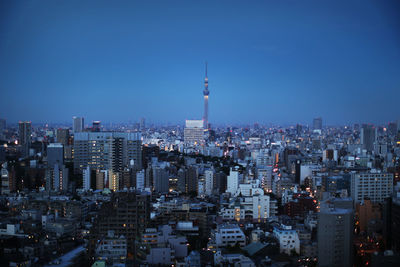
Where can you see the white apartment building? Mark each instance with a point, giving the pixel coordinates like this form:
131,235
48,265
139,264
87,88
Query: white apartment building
250,203
193,132
233,181
375,185
228,235
288,239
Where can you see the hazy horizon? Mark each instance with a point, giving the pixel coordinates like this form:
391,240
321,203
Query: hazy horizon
277,61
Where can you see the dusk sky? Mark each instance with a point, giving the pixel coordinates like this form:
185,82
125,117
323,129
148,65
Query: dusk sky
269,61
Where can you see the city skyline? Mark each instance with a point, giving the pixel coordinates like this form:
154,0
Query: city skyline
113,153
272,62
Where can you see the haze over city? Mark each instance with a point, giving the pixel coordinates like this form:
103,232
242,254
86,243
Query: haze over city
278,62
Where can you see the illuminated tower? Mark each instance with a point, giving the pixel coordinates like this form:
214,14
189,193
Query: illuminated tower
206,93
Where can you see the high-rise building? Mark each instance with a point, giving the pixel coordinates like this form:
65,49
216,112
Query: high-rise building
220,182
368,137
25,139
127,214
142,124
106,150
205,93
194,132
392,128
233,181
63,136
55,154
161,180
2,154
86,179
394,221
335,237
209,180
140,175
78,125
5,180
317,123
299,129
57,178
192,179
3,125
8,181
264,174
188,179
96,126
101,179
182,177
373,185
114,180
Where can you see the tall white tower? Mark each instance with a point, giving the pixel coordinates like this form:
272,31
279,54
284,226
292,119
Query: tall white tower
206,93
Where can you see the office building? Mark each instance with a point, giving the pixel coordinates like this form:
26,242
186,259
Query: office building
55,154
194,132
86,179
5,180
264,174
114,183
101,179
182,177
366,211
96,126
56,178
140,178
299,129
233,181
127,214
3,125
161,180
192,179
368,137
142,124
335,237
63,136
77,124
188,179
394,221
317,123
209,182
392,128
25,139
106,150
373,185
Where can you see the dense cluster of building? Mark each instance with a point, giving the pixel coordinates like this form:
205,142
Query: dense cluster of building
127,195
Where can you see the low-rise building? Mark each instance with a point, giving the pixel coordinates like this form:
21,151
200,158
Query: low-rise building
288,238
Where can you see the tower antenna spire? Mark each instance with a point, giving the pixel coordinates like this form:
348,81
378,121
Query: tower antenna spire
206,93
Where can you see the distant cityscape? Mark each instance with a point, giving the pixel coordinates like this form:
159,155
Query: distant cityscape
199,133
199,195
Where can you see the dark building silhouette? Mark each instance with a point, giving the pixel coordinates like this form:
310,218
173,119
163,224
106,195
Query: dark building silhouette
127,214
63,136
317,123
24,139
335,237
368,137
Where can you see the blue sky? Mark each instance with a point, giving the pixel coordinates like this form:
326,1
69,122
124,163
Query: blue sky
269,61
